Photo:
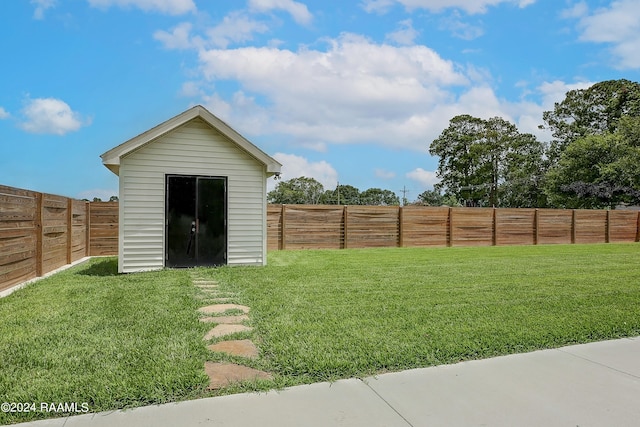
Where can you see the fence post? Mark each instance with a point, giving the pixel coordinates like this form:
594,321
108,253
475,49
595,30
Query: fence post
450,223
638,228
535,227
345,227
400,227
494,227
69,228
87,231
283,234
573,226
607,227
38,229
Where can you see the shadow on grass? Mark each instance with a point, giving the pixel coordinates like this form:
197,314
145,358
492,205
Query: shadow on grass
107,267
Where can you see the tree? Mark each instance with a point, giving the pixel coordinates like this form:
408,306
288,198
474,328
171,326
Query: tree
431,198
342,195
524,174
593,111
598,171
301,190
113,198
379,197
481,161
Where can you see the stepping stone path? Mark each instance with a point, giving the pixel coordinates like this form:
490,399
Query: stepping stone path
222,330
242,348
222,374
227,320
221,308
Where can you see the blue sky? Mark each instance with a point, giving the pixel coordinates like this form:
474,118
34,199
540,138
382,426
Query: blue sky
348,91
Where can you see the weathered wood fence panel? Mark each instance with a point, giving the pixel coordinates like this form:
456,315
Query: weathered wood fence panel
623,225
17,235
103,220
471,226
311,226
515,227
554,226
274,227
425,226
55,232
41,232
372,226
336,227
590,226
78,229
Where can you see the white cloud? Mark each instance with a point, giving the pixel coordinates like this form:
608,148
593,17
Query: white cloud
298,11
461,29
358,91
296,166
377,6
236,27
178,38
50,116
617,25
425,178
4,114
555,91
405,35
170,7
41,7
190,89
384,174
355,91
578,10
469,6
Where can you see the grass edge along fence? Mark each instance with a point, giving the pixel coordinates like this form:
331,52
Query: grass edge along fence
40,232
341,227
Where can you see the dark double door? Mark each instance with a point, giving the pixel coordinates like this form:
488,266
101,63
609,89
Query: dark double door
196,217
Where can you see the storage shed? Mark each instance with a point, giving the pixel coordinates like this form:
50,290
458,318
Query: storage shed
192,193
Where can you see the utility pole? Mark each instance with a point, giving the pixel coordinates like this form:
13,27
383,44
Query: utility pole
404,192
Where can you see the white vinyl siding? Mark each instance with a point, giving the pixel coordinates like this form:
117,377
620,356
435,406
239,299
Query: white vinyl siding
194,148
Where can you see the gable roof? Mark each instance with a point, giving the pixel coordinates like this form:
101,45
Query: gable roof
111,159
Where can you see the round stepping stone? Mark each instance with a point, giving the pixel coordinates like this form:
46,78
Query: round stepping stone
223,374
221,308
242,348
227,320
222,330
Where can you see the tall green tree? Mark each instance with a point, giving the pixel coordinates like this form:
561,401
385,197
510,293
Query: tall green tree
342,195
435,198
593,111
598,170
485,162
297,191
379,197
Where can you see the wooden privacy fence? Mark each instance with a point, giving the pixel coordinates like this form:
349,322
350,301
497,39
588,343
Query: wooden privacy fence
40,232
339,227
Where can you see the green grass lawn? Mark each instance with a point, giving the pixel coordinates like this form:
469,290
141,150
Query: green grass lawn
322,315
114,341
89,335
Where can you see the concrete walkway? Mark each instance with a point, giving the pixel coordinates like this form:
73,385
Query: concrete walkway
583,385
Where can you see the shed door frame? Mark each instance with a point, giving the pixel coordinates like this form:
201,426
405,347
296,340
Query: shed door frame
195,241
